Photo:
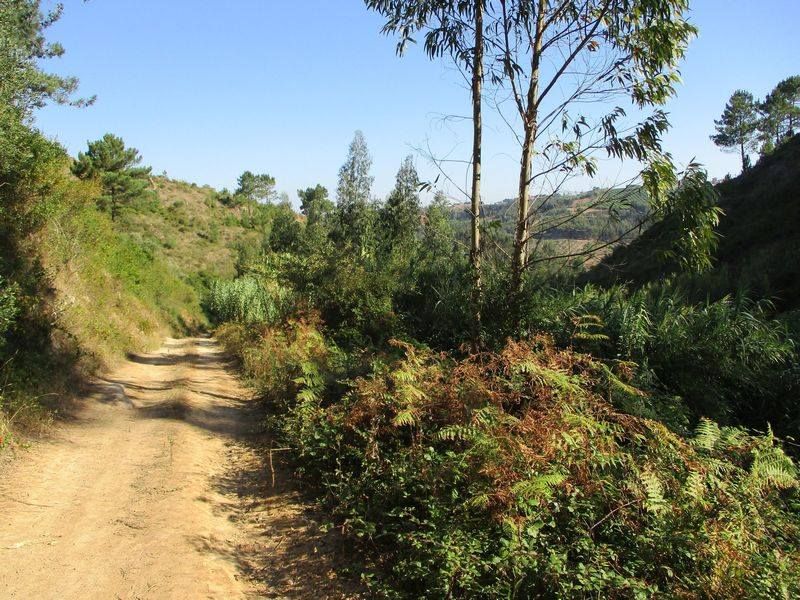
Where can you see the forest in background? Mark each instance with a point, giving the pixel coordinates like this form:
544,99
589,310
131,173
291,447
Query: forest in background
520,400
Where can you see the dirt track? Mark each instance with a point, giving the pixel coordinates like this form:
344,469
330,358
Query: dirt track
158,488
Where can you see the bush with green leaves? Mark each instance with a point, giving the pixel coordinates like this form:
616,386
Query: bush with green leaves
9,309
512,474
726,359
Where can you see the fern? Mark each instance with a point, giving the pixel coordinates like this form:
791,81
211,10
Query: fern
695,486
462,433
561,383
478,501
486,415
654,502
588,328
615,384
538,487
771,468
409,392
307,395
707,434
406,418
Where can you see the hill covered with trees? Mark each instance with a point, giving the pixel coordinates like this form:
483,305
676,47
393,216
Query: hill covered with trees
586,224
757,238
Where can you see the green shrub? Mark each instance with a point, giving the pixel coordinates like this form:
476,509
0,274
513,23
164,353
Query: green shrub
9,309
511,474
724,359
274,357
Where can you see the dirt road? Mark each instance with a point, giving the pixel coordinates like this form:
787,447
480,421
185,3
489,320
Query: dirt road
158,488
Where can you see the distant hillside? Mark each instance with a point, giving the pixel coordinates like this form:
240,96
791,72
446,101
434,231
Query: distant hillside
601,214
191,228
759,245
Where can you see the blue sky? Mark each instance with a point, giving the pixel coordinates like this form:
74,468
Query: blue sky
206,90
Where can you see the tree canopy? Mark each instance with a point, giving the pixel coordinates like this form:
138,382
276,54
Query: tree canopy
256,188
115,166
315,204
780,113
24,84
737,127
353,194
401,214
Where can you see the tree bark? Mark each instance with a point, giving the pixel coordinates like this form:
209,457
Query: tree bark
744,165
477,135
530,125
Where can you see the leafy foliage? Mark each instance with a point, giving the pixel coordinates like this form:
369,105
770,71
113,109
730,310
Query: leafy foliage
25,85
247,300
256,188
509,475
353,197
721,359
780,114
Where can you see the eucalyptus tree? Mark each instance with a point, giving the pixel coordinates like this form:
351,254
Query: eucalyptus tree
454,28
568,68
736,129
353,196
400,216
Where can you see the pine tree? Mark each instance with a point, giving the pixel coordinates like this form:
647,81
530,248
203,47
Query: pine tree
780,114
315,205
256,188
737,128
114,165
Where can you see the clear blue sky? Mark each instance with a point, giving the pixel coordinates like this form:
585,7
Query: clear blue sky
206,90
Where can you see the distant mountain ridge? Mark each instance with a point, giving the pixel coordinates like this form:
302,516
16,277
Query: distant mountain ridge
600,214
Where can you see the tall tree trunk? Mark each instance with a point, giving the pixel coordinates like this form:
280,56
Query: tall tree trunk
530,125
744,164
477,135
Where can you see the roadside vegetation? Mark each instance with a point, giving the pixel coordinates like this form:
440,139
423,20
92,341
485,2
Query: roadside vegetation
616,440
561,395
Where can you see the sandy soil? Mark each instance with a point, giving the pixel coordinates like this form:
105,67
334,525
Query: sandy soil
159,488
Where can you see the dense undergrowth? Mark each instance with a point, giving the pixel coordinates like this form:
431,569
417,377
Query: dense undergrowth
727,359
514,473
615,441
578,456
